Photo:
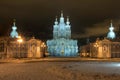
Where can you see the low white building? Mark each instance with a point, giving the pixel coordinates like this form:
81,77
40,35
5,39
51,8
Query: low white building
106,49
11,48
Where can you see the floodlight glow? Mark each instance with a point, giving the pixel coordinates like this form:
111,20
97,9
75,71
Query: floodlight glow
118,65
20,40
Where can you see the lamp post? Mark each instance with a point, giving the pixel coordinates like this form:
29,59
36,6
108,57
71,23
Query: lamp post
19,40
43,48
96,49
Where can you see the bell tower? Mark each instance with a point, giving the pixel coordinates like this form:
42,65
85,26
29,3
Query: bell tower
14,33
111,33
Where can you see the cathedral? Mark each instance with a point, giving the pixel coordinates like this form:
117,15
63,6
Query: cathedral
62,45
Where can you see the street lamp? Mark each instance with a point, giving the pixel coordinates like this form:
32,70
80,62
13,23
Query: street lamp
19,40
96,45
43,48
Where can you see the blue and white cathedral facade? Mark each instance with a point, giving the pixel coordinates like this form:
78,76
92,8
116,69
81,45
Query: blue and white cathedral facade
62,44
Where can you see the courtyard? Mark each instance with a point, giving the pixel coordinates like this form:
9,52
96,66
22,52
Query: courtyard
59,70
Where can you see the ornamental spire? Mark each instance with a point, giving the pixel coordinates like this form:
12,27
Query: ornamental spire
56,22
14,20
111,24
111,33
61,13
68,22
61,18
67,18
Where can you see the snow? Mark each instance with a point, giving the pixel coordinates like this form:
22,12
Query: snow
60,71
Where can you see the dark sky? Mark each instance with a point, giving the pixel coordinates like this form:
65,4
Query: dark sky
36,17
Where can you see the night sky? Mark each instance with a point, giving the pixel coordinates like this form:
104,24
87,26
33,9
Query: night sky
36,17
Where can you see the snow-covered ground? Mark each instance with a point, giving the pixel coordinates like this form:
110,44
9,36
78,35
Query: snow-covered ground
60,71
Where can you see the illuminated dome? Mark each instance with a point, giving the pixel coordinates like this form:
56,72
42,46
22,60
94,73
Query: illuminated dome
111,33
14,33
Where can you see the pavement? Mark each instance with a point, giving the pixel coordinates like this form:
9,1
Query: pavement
59,59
